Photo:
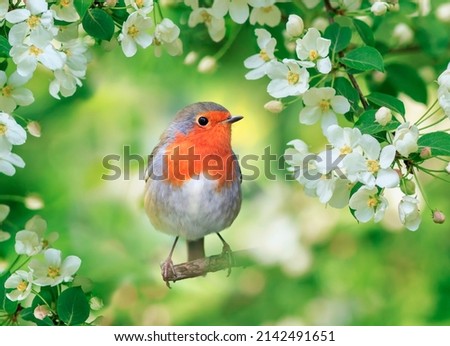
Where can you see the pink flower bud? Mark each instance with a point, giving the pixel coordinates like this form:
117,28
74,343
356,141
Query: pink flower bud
438,217
425,153
34,128
41,312
274,106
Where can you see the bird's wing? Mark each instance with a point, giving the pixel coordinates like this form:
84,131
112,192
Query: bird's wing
237,167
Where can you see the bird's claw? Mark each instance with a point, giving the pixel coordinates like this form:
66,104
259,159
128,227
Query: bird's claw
168,271
226,251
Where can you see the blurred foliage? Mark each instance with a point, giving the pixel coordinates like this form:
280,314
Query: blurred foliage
313,265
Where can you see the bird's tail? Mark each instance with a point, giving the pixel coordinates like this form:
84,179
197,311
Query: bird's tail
196,249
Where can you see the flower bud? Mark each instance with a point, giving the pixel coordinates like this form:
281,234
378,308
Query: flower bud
41,312
207,64
383,116
379,8
438,217
95,303
408,187
448,168
34,202
403,33
34,128
425,153
294,25
4,236
191,58
110,3
443,13
274,106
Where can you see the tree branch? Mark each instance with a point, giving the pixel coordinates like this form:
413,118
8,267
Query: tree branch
331,13
203,266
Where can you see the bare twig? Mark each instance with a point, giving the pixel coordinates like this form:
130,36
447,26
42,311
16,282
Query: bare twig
203,266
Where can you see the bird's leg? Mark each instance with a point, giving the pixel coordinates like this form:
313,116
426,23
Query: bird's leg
167,265
226,250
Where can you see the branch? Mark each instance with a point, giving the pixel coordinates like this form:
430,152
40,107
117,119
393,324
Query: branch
203,266
331,13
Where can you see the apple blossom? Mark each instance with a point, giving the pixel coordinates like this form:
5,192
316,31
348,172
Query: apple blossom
405,139
264,12
134,33
379,8
65,10
294,25
212,17
11,92
312,47
367,204
144,7
408,211
21,282
258,63
288,78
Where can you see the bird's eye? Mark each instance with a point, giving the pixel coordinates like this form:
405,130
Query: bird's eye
202,121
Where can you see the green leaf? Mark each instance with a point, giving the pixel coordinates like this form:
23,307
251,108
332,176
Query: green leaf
432,36
366,123
405,79
388,101
364,59
340,37
98,24
73,306
82,6
364,31
439,142
345,88
6,305
5,47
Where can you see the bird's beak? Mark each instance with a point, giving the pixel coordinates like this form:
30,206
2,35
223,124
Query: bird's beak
233,119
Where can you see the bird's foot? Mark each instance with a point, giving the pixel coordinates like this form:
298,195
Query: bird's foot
168,271
226,251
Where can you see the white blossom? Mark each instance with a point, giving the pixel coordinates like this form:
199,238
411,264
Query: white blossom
288,78
408,211
53,270
212,17
76,52
134,33
294,25
65,10
312,47
4,7
11,133
324,104
405,139
368,204
258,63
373,167
239,10
27,56
403,33
265,12
28,243
167,35
443,12
65,82
444,90
11,92
144,7
383,116
21,282
379,8
8,161
35,21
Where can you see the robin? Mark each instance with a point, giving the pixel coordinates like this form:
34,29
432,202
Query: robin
193,179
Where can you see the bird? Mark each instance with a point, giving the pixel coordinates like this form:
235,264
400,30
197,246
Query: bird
193,179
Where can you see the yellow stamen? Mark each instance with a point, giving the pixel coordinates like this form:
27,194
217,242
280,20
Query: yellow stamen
53,272
140,3
33,21
206,17
293,78
133,31
64,3
35,50
373,166
267,9
313,54
372,202
346,150
6,91
3,129
22,286
324,105
263,55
